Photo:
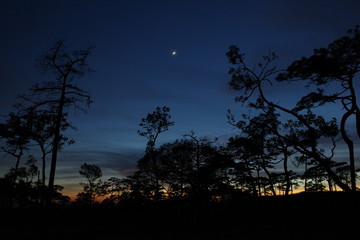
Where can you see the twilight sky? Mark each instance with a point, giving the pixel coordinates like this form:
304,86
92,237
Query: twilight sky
135,70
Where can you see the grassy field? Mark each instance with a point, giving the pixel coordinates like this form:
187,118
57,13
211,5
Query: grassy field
301,216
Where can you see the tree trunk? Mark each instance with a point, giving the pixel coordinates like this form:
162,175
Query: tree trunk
350,146
269,177
43,158
287,174
56,141
330,184
336,179
305,180
353,110
16,169
157,179
258,181
357,120
43,185
253,183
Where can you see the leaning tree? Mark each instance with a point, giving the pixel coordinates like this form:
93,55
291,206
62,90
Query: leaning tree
336,65
304,128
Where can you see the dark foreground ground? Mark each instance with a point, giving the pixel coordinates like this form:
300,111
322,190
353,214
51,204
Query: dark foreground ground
302,216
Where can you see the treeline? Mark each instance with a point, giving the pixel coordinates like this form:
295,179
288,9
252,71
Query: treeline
254,163
273,139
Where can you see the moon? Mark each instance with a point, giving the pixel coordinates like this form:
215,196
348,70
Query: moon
173,53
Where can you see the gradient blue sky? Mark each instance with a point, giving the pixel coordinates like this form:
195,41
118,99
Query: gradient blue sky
135,71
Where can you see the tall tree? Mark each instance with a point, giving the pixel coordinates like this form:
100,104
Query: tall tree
61,93
338,64
155,123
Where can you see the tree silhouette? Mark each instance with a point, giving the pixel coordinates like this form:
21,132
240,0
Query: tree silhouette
199,162
239,149
259,149
176,158
337,64
25,189
189,168
55,96
41,128
94,186
305,141
155,123
304,127
192,168
315,176
15,137
203,174
115,189
139,188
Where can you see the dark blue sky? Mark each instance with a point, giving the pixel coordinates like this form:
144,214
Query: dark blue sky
135,71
